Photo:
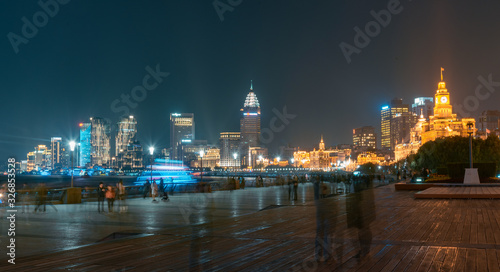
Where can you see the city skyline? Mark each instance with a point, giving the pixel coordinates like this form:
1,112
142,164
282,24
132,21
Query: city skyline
85,67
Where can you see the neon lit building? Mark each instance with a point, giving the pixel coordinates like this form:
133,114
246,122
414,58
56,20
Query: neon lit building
182,130
126,132
100,141
249,126
85,144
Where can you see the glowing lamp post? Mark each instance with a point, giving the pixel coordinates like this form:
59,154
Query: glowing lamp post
235,155
201,157
72,145
151,152
470,131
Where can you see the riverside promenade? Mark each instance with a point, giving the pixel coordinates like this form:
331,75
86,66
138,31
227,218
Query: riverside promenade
259,229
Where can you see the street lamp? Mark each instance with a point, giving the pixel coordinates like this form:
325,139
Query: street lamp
201,157
235,155
470,131
151,151
72,148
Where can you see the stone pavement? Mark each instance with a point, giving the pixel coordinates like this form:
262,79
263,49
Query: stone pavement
393,232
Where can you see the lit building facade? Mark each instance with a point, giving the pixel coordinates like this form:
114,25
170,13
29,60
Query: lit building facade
489,123
130,159
364,138
371,157
401,125
85,144
126,132
56,152
444,123
100,142
396,109
230,145
322,159
250,126
30,162
211,159
182,130
423,106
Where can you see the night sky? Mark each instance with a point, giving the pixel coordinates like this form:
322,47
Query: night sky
91,52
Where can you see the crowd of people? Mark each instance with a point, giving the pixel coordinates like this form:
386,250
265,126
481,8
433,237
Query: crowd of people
155,190
110,194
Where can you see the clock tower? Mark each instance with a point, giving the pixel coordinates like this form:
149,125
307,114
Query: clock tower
442,106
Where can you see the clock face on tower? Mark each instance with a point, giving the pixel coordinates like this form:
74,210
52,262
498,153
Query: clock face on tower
444,99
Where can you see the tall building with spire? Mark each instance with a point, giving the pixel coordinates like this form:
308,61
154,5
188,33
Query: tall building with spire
444,123
249,125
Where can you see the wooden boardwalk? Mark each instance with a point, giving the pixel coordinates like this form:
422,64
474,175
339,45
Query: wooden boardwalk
463,192
407,234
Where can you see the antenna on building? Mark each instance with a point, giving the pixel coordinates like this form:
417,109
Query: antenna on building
251,85
442,69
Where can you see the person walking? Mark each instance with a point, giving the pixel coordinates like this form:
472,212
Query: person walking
101,193
289,189
121,196
25,198
110,197
42,197
154,190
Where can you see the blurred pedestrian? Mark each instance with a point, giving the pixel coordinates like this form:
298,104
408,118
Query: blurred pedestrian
25,198
42,197
154,190
324,189
121,196
110,197
101,193
147,188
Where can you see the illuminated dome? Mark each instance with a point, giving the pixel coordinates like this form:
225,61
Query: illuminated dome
251,101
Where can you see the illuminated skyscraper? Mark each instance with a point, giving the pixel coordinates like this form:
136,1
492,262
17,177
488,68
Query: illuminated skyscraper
250,125
423,106
127,129
364,138
230,145
56,149
489,122
397,108
100,141
85,144
181,131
